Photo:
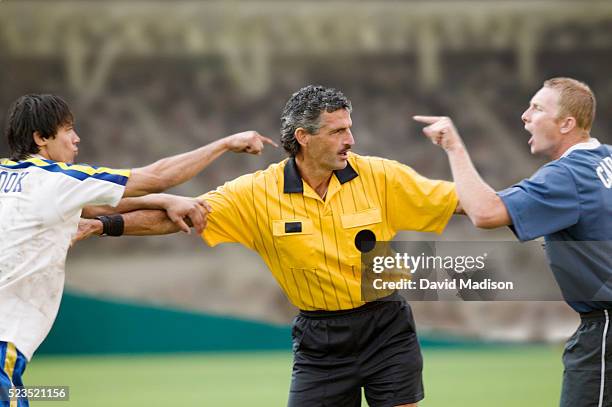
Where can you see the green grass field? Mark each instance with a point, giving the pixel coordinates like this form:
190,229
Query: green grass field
501,376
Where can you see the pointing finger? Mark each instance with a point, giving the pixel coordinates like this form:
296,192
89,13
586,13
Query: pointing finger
427,119
268,141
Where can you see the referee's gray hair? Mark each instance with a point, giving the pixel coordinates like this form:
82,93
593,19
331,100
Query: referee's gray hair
304,108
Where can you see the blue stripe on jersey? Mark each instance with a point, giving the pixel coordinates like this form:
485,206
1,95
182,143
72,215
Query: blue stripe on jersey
52,166
2,354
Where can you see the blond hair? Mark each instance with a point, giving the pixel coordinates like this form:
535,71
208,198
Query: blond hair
575,99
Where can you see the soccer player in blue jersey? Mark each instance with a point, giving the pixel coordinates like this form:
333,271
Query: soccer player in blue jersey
569,202
42,195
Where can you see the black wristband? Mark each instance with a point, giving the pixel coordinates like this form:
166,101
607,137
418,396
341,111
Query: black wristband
112,225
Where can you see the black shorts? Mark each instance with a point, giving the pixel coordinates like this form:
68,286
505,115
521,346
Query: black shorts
585,359
337,353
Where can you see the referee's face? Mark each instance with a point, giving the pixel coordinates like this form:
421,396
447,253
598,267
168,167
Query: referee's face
328,149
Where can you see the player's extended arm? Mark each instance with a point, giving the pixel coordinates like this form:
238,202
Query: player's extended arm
175,170
151,201
178,208
478,200
137,223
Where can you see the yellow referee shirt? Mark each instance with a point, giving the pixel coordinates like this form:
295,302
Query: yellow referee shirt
308,242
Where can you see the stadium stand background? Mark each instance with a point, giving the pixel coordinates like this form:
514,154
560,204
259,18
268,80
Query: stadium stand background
151,78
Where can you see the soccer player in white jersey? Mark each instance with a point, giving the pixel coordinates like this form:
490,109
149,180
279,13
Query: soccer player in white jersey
42,195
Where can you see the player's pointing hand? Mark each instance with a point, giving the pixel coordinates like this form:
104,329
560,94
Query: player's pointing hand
440,131
248,142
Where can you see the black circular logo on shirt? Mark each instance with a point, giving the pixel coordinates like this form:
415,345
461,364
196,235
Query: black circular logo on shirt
365,241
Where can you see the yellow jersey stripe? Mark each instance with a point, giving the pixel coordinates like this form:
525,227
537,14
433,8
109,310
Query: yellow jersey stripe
93,170
312,301
348,290
374,183
75,167
86,169
257,224
77,171
9,367
10,359
284,284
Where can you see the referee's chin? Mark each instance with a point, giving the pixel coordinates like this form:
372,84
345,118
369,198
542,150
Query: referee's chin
341,163
339,166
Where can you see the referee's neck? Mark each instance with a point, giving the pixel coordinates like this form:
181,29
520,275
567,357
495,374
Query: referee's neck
314,175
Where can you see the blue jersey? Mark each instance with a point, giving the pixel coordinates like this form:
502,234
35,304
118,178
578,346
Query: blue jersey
569,202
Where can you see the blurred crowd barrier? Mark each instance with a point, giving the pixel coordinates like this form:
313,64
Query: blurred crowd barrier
151,78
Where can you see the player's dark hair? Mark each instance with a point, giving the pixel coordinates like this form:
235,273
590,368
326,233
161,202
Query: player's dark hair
44,114
304,110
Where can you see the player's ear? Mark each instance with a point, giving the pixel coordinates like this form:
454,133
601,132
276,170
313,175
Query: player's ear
302,136
567,124
39,139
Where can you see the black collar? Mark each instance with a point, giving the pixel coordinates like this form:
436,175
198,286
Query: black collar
293,179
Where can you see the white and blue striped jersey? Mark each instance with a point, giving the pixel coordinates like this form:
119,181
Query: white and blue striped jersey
40,207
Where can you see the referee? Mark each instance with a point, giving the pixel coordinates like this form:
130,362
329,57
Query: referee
569,202
306,217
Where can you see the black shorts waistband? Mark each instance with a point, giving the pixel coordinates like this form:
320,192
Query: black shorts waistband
345,312
598,315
